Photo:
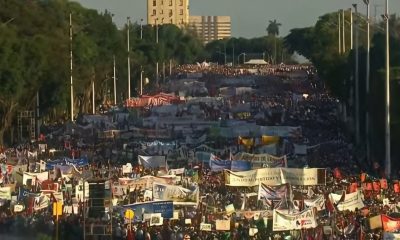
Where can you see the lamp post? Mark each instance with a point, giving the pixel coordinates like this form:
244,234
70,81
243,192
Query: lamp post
387,89
244,57
71,77
351,29
367,83
129,57
339,33
343,33
155,20
141,28
141,81
115,82
356,77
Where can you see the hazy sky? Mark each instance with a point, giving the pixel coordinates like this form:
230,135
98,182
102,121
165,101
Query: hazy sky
249,17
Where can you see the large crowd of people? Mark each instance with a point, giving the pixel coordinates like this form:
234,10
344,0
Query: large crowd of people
187,156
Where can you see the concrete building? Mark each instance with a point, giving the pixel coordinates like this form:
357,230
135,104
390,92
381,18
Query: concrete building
210,28
168,12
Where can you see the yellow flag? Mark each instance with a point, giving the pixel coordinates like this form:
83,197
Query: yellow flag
266,140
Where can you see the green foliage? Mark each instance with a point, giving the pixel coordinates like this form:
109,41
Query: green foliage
273,28
35,56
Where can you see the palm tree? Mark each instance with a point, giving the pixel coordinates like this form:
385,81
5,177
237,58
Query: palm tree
273,30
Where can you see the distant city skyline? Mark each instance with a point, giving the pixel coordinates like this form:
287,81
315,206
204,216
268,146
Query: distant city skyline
249,18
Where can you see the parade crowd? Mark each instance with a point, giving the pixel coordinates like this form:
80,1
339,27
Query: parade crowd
274,162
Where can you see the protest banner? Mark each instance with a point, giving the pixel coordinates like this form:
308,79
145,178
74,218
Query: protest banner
5,193
217,165
152,161
390,224
166,208
278,192
205,227
318,203
174,193
262,160
285,221
222,225
351,201
276,176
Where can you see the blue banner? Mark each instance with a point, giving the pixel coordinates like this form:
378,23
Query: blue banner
23,193
220,165
67,161
166,208
203,157
240,165
80,162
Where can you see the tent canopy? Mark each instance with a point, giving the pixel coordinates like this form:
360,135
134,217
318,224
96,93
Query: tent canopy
256,62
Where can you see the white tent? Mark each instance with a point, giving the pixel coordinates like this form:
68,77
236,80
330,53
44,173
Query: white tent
256,62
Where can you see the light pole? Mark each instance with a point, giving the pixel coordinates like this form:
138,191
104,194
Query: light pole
244,57
351,29
141,81
93,98
155,20
356,77
339,33
387,89
141,28
343,33
71,78
129,57
115,83
367,83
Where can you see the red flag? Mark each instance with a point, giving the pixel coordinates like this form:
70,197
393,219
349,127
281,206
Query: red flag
337,173
396,187
328,204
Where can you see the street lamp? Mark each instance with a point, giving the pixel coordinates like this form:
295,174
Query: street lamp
219,52
367,82
71,78
141,81
339,33
387,89
141,28
115,83
155,20
129,58
244,57
356,77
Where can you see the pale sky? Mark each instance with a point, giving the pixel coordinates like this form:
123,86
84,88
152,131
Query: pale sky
249,17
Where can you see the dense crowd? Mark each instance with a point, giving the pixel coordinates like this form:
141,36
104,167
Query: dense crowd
298,102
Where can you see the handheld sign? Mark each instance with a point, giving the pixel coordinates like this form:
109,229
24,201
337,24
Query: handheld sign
129,214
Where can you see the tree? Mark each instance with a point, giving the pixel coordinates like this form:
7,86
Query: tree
273,30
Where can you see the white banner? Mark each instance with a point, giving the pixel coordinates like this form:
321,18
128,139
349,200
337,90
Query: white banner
262,160
177,171
351,201
152,161
318,203
174,193
285,221
276,176
5,193
126,168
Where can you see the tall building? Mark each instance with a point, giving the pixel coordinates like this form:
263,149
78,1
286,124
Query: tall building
168,12
210,28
